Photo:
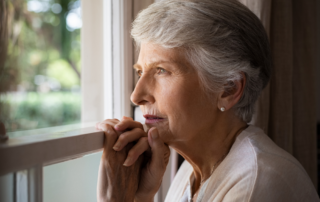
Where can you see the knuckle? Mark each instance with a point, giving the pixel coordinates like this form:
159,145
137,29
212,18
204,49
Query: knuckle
109,121
104,123
108,126
103,126
114,122
106,120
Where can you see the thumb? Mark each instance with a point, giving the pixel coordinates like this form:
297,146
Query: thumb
160,152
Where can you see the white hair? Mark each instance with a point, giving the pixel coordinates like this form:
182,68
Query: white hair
221,39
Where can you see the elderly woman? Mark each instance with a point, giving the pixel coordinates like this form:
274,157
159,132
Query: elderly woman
202,66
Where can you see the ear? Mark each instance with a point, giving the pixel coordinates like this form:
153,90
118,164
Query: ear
230,96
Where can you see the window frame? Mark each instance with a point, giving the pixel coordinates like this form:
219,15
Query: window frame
107,55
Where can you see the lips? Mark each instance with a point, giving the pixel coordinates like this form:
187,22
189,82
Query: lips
152,119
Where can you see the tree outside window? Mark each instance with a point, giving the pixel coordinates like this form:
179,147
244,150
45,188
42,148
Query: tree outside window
40,75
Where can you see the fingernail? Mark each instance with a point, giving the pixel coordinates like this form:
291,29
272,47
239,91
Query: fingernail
116,147
128,161
154,134
116,127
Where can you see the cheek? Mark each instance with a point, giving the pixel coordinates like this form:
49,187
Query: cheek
180,95
172,95
180,101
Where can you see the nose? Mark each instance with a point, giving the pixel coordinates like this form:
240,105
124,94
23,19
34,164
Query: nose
143,92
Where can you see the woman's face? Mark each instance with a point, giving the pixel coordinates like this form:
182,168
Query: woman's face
170,95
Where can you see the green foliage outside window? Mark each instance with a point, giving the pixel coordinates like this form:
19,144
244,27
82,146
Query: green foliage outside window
33,110
40,77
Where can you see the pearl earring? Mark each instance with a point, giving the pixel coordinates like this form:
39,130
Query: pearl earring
222,109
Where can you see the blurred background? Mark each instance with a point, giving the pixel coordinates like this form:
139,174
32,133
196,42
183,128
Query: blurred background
41,74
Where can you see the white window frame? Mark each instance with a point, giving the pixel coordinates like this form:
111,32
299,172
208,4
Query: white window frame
107,59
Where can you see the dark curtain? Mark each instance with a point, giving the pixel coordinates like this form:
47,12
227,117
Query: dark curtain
286,110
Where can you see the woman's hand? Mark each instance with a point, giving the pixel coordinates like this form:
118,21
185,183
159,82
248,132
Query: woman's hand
156,154
116,182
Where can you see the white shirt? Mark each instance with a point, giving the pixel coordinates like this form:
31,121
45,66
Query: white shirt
255,169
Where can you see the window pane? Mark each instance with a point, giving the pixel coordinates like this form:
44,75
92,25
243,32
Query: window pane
7,187
74,180
40,79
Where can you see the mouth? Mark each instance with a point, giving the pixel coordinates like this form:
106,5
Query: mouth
152,119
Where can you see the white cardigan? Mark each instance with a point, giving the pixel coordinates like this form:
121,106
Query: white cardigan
255,170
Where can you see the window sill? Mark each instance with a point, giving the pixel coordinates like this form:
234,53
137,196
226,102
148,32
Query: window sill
49,146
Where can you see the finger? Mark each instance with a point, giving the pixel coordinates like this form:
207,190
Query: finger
110,123
160,151
97,126
129,136
138,149
126,117
110,136
126,124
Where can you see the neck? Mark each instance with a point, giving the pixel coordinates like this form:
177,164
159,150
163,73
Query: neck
206,150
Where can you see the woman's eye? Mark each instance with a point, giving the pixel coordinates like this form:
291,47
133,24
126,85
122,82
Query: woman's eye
161,70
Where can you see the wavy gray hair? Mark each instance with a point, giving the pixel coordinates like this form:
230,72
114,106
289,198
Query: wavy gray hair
221,39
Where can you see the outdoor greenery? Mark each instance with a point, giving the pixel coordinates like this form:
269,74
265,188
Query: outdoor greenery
40,78
38,110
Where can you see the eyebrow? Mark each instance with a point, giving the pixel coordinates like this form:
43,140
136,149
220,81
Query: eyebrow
152,64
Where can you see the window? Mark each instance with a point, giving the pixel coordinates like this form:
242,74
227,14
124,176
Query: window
41,75
34,164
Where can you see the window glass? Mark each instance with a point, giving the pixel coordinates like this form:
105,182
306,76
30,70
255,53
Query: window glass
74,180
40,79
7,187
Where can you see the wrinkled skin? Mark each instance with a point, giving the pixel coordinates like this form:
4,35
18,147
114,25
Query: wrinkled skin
144,165
115,175
178,113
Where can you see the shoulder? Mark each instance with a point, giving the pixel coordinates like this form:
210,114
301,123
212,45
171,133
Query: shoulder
268,173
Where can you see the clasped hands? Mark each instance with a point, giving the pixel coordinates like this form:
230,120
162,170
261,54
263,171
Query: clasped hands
133,161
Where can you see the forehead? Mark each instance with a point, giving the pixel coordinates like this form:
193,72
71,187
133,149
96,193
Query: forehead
153,53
